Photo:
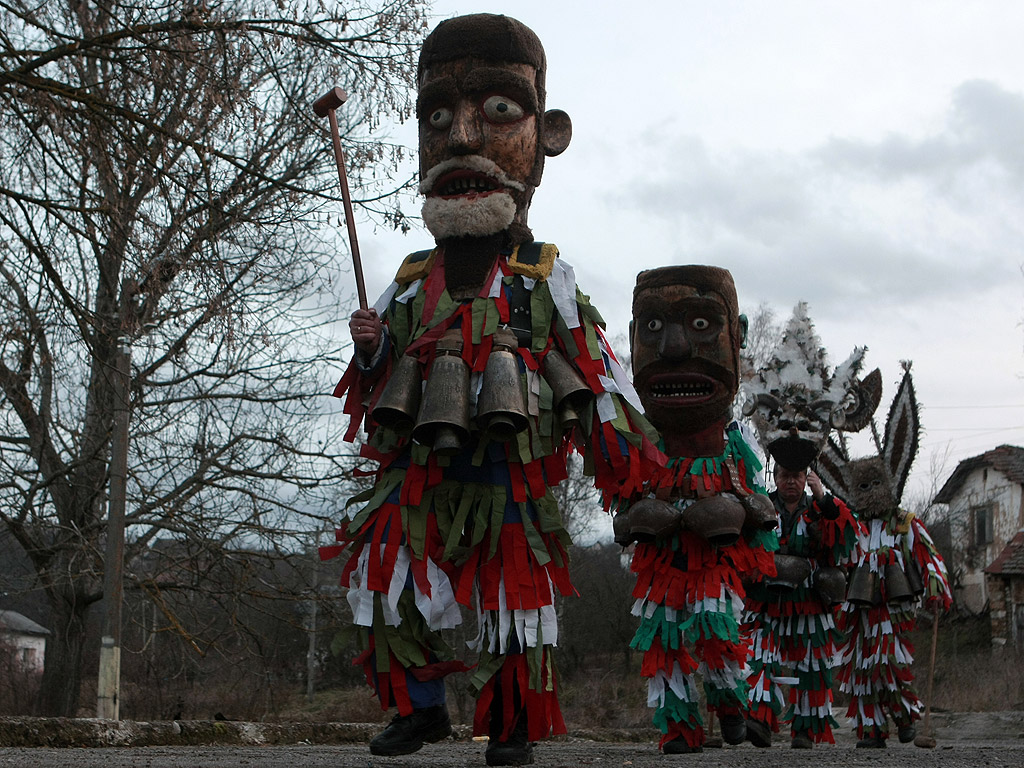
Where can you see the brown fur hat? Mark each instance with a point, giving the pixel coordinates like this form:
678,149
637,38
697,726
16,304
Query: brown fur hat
704,278
489,37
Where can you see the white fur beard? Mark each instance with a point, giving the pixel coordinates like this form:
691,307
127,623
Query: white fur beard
474,217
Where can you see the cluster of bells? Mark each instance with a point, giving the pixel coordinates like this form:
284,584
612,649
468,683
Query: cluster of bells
719,518
438,414
867,587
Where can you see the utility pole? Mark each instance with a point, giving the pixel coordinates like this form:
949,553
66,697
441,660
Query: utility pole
109,684
311,655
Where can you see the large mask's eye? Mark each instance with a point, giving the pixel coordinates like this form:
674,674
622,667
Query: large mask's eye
655,324
501,109
440,118
700,323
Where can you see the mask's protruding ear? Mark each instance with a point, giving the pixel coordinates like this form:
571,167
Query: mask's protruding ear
632,326
744,330
863,397
831,468
902,433
557,132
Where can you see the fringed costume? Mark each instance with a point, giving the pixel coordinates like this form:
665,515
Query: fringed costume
794,626
689,597
876,658
482,527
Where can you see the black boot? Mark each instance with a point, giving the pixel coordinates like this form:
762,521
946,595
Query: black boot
871,742
678,746
407,733
802,740
516,750
734,728
759,734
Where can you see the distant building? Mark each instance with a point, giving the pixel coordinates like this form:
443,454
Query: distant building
25,638
985,495
1005,579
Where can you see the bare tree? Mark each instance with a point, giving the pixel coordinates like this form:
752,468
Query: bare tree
161,178
579,502
763,336
944,524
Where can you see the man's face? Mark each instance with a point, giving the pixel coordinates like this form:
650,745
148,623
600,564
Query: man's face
790,483
683,357
478,145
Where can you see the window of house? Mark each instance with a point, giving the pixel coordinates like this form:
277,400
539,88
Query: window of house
981,524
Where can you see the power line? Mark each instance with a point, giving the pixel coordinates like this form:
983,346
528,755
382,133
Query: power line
979,430
965,407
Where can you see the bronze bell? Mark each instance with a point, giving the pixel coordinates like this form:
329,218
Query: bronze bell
760,512
914,577
719,518
571,393
569,419
865,588
653,519
443,420
897,586
400,401
830,584
500,411
620,529
790,572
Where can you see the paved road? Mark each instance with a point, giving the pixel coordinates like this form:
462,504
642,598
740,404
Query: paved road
567,753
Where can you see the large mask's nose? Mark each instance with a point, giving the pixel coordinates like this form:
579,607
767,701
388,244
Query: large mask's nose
673,344
465,135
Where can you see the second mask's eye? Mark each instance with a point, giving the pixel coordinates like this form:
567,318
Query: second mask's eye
700,323
440,118
655,324
501,109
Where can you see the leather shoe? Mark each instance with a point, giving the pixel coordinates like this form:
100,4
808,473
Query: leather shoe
801,741
759,734
734,729
678,746
517,750
871,742
407,733
907,733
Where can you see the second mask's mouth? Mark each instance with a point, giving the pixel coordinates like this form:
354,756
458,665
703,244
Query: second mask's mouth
681,388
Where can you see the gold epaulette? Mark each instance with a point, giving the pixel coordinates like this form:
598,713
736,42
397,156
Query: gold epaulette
534,260
904,522
415,267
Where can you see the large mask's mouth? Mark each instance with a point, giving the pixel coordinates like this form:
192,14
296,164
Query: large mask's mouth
681,389
465,184
468,197
467,177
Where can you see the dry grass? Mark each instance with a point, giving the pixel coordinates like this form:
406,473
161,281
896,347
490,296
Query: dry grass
970,676
605,698
339,706
605,695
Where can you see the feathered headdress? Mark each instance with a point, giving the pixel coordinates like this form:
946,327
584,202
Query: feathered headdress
794,401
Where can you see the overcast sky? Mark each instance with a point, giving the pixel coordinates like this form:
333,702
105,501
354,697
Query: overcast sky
866,157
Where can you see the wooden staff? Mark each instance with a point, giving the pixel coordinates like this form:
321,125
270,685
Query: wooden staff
927,739
325,107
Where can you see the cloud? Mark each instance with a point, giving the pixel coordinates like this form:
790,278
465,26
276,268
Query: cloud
902,219
983,129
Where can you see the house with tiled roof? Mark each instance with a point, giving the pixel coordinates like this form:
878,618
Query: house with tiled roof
1004,578
24,639
985,498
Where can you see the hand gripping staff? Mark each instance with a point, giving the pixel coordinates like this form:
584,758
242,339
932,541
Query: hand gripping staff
324,107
